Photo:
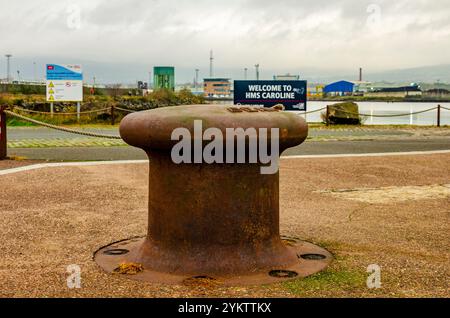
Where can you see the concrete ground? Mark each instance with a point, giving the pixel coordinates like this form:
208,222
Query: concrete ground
55,217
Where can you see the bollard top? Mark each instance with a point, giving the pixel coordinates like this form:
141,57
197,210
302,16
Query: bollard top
152,129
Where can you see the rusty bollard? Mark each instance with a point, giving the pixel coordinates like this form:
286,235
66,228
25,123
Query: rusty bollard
216,220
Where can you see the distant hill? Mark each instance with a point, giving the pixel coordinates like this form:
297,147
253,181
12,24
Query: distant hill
426,74
131,72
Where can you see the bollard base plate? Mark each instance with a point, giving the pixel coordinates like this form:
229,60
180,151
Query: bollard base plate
311,259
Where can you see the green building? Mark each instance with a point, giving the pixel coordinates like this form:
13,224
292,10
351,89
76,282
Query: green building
164,77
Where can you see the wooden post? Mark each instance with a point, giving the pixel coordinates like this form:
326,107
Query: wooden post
439,116
3,145
113,119
328,116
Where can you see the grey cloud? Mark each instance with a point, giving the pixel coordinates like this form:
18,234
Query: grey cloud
284,34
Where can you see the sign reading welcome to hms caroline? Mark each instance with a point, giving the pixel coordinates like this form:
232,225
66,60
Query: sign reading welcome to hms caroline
292,94
64,83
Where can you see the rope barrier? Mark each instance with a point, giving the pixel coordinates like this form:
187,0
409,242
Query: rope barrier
74,113
313,111
395,115
55,113
303,113
69,130
125,110
90,134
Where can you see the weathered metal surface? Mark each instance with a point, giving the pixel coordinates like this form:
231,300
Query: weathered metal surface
219,220
302,267
151,130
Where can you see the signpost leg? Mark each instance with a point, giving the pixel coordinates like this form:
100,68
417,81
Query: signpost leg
411,115
371,114
327,120
113,117
439,116
51,110
3,145
78,111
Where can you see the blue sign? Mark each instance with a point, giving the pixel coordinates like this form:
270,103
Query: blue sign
64,72
292,94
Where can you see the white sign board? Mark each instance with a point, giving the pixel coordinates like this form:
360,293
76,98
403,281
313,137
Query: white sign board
64,83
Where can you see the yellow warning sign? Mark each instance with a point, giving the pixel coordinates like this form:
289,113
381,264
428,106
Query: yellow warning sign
64,90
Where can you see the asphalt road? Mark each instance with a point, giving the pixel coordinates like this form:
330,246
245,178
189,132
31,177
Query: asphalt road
21,133
307,148
371,140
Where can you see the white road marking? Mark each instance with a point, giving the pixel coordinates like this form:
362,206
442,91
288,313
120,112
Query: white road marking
67,164
115,162
378,154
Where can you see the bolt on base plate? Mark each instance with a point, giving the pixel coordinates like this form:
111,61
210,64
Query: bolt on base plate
311,259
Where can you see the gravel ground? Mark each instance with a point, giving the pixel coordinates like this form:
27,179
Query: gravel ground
55,217
8,164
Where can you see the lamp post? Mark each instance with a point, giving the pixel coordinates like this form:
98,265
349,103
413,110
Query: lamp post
8,67
34,72
257,71
196,78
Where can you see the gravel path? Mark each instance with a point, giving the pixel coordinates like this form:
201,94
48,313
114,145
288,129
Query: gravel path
52,218
8,164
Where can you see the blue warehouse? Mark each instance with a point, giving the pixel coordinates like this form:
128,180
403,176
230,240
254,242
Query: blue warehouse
340,88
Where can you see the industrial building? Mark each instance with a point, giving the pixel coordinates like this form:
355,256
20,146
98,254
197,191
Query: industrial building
363,87
217,87
368,89
286,77
315,90
164,77
340,88
403,91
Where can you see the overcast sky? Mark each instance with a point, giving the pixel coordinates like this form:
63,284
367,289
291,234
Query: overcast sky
281,35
